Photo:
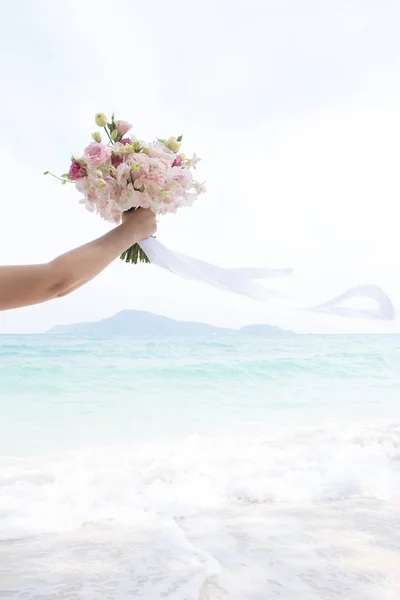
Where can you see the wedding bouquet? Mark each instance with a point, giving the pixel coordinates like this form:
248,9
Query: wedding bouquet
124,173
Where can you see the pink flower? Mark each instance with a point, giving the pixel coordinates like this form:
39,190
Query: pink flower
126,141
154,170
155,150
82,186
178,161
76,171
122,127
123,174
182,177
159,150
96,154
144,201
136,161
130,198
116,160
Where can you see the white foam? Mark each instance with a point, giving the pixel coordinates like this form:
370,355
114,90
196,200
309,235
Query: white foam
144,482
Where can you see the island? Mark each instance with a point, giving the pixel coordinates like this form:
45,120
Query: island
135,322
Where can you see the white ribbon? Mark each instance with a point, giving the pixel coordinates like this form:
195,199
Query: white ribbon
239,281
242,281
384,306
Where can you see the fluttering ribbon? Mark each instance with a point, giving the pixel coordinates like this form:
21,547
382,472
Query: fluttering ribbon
245,281
240,281
384,306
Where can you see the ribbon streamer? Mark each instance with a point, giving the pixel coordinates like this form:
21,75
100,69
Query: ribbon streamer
239,281
243,281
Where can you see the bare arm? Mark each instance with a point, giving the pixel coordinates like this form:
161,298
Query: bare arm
26,285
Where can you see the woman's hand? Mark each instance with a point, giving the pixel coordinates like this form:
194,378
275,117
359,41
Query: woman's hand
143,223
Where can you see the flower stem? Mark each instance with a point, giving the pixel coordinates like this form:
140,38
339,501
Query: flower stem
109,137
134,254
56,177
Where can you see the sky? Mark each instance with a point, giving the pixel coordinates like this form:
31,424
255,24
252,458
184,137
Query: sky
293,106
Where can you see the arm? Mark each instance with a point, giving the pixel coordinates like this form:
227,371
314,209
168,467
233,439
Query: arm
26,285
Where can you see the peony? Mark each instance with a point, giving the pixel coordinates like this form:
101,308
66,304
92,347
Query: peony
97,154
122,127
76,171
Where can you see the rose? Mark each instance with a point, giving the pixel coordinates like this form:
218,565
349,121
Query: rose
97,154
76,171
153,170
122,127
116,161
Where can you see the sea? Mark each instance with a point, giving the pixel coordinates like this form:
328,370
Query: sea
227,467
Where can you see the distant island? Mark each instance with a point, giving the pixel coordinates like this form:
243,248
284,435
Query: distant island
135,322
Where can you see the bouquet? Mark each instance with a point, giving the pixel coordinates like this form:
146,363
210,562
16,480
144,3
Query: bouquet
124,173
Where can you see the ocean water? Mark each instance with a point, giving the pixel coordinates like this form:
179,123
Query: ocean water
225,468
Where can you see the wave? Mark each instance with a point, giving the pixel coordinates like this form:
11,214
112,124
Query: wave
144,481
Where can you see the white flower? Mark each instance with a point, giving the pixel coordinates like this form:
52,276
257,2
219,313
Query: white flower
193,162
123,174
199,187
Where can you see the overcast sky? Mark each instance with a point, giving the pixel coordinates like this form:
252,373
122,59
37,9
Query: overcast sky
293,106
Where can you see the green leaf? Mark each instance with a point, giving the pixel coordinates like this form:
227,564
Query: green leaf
111,126
180,138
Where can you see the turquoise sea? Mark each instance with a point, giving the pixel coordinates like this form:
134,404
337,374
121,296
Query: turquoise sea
227,468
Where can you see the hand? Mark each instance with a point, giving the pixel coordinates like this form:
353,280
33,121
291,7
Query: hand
142,221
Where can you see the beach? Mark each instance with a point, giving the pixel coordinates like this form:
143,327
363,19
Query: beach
200,468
